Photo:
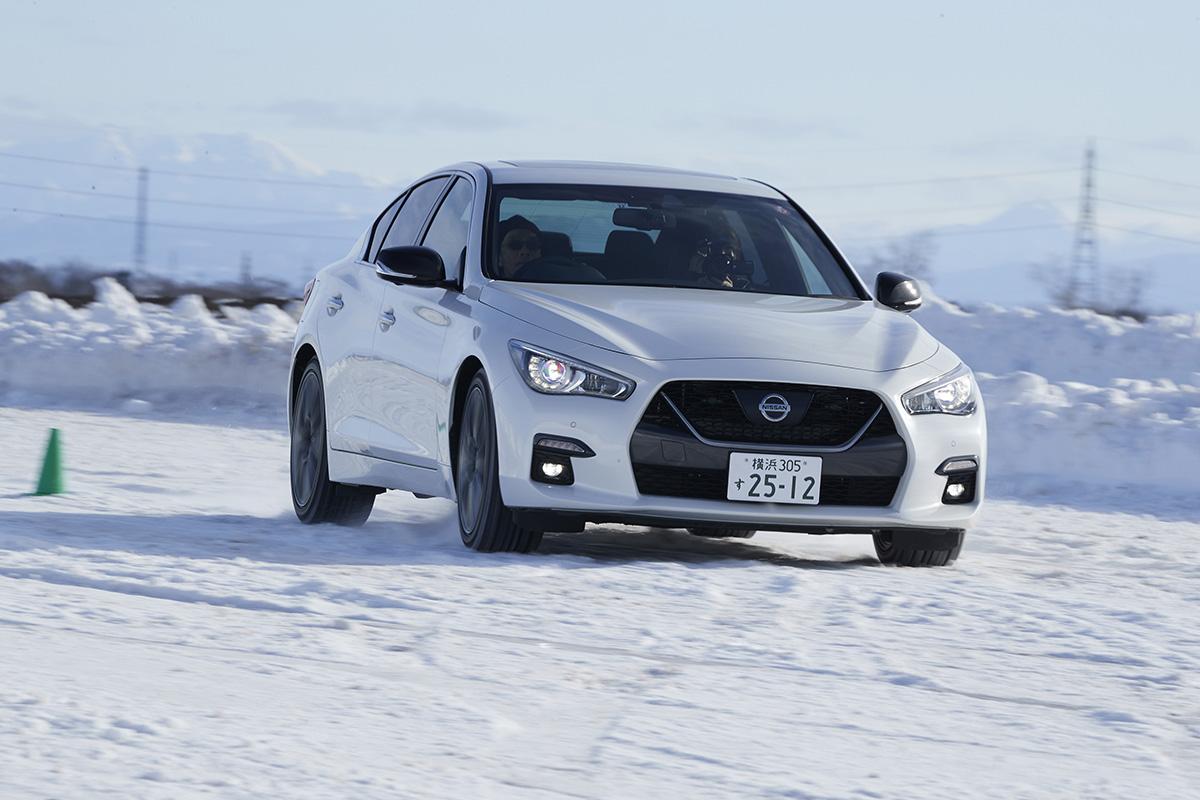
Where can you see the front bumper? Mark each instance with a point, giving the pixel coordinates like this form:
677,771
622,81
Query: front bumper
605,488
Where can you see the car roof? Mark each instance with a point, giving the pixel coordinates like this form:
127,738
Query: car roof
613,174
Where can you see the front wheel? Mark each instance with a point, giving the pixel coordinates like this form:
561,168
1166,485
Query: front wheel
314,496
919,548
484,522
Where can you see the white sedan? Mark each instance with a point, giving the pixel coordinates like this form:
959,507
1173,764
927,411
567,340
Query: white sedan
557,343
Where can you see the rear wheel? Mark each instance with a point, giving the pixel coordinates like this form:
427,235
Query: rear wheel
919,548
314,496
484,522
722,533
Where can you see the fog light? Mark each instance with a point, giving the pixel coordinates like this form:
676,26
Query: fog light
552,457
548,467
954,490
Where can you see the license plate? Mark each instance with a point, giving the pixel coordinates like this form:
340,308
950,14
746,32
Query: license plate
765,478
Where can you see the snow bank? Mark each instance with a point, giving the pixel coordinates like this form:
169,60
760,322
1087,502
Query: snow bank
119,349
1068,345
1132,432
1070,394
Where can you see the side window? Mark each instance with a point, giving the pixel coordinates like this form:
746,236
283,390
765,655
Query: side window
448,231
414,212
381,226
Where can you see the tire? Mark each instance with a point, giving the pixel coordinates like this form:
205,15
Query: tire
484,522
722,533
919,548
314,496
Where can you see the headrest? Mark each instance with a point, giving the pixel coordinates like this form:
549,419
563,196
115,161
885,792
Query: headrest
556,245
627,253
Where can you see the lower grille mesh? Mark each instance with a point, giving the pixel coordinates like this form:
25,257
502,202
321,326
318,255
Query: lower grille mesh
706,484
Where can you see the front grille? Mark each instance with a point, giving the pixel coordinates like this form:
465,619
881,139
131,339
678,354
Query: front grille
712,408
659,414
710,484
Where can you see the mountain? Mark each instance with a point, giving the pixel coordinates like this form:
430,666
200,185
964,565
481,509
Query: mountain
290,218
230,196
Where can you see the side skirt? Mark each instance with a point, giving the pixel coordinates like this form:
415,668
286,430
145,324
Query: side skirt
360,470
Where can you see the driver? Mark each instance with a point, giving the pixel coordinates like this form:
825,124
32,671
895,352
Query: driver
520,243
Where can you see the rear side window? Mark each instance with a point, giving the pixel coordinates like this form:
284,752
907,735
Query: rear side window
448,231
414,212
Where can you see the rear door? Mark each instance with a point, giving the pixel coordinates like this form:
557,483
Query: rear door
348,300
408,350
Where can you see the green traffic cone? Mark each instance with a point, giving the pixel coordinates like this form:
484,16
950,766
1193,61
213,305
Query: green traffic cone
51,480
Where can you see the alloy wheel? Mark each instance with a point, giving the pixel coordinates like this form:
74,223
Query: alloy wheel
307,440
474,462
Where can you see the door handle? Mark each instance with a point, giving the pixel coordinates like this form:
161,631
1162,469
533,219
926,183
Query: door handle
386,320
334,305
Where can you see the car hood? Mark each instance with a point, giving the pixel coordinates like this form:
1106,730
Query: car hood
662,324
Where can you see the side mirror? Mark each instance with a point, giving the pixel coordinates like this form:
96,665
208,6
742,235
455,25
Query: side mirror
897,291
410,264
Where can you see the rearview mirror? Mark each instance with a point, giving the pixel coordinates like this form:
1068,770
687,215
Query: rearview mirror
644,219
897,291
410,264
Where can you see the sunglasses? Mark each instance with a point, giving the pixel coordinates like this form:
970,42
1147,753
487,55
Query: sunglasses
530,242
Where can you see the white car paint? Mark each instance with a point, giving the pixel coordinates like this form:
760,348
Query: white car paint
390,392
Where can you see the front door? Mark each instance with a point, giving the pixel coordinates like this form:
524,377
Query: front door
413,324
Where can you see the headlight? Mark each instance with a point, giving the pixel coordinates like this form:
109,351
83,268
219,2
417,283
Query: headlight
551,373
953,393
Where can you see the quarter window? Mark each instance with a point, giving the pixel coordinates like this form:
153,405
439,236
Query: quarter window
448,231
414,212
381,226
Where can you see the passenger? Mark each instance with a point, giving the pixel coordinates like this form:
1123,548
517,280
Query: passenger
520,243
717,260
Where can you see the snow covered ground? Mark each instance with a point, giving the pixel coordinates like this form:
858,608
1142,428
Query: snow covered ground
168,630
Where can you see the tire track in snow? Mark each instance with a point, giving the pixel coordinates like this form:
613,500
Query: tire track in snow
60,578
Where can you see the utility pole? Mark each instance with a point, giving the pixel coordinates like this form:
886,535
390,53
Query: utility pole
1084,285
139,235
247,269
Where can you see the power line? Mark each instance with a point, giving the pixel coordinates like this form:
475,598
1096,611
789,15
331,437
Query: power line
1177,149
943,210
1148,208
922,181
211,176
1148,233
1152,179
1046,226
968,232
179,226
196,203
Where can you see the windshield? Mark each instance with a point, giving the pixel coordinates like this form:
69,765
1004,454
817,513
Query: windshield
660,237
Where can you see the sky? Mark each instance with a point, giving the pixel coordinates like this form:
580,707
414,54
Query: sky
832,102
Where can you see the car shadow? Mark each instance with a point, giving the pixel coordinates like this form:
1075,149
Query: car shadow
419,538
606,544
